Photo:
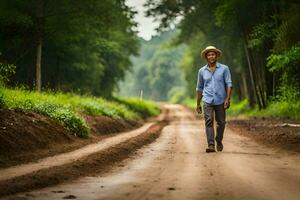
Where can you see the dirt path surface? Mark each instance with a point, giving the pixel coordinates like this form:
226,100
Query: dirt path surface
282,133
27,136
177,167
69,157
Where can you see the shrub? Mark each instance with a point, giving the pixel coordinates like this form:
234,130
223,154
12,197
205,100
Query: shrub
143,107
237,108
177,95
29,101
6,70
69,108
190,102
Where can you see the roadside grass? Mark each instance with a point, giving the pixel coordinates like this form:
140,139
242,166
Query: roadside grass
190,102
282,109
68,109
143,107
238,108
275,109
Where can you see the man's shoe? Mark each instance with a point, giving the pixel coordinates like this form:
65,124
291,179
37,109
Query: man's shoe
219,146
211,148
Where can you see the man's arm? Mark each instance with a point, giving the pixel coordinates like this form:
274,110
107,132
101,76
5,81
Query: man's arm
228,92
199,97
228,88
227,99
199,90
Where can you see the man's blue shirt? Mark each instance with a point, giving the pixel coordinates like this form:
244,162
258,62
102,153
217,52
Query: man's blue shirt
213,84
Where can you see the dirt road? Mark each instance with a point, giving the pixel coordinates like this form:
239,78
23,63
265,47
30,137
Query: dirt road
176,166
69,157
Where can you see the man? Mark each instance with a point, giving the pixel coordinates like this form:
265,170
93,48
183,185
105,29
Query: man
214,85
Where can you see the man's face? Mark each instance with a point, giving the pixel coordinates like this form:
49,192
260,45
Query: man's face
211,57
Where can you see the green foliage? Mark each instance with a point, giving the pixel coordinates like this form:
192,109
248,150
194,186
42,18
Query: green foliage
143,107
191,63
278,108
286,109
268,38
283,109
261,34
93,105
6,70
86,45
68,109
288,91
238,108
156,71
288,64
177,94
2,101
35,102
190,102
287,33
67,117
287,59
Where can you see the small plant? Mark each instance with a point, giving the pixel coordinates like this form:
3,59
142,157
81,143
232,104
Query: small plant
6,70
65,116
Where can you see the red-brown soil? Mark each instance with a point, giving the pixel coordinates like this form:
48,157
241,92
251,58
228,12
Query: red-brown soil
27,136
271,132
175,166
93,164
102,125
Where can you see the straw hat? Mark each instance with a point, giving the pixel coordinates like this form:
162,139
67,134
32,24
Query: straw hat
211,48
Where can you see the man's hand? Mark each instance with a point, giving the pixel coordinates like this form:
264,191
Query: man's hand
199,109
227,103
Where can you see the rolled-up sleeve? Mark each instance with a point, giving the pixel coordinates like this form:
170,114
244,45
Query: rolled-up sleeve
200,83
227,77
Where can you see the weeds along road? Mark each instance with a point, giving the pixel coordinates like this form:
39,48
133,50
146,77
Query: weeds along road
176,166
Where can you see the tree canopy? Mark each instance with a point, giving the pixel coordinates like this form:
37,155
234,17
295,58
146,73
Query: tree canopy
156,70
255,36
81,46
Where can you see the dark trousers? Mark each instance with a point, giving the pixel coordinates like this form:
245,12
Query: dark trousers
209,112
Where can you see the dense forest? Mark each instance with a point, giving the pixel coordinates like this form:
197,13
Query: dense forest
81,46
260,41
156,72
92,47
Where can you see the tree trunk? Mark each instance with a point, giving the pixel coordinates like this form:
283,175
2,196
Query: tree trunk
245,89
274,84
262,76
39,43
58,77
251,74
38,65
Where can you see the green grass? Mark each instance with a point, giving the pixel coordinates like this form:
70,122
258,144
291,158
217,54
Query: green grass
278,109
68,109
238,108
281,109
190,102
143,107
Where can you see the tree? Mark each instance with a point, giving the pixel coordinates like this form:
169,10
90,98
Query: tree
83,46
247,40
156,70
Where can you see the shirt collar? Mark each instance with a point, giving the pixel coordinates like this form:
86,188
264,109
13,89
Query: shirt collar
217,65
